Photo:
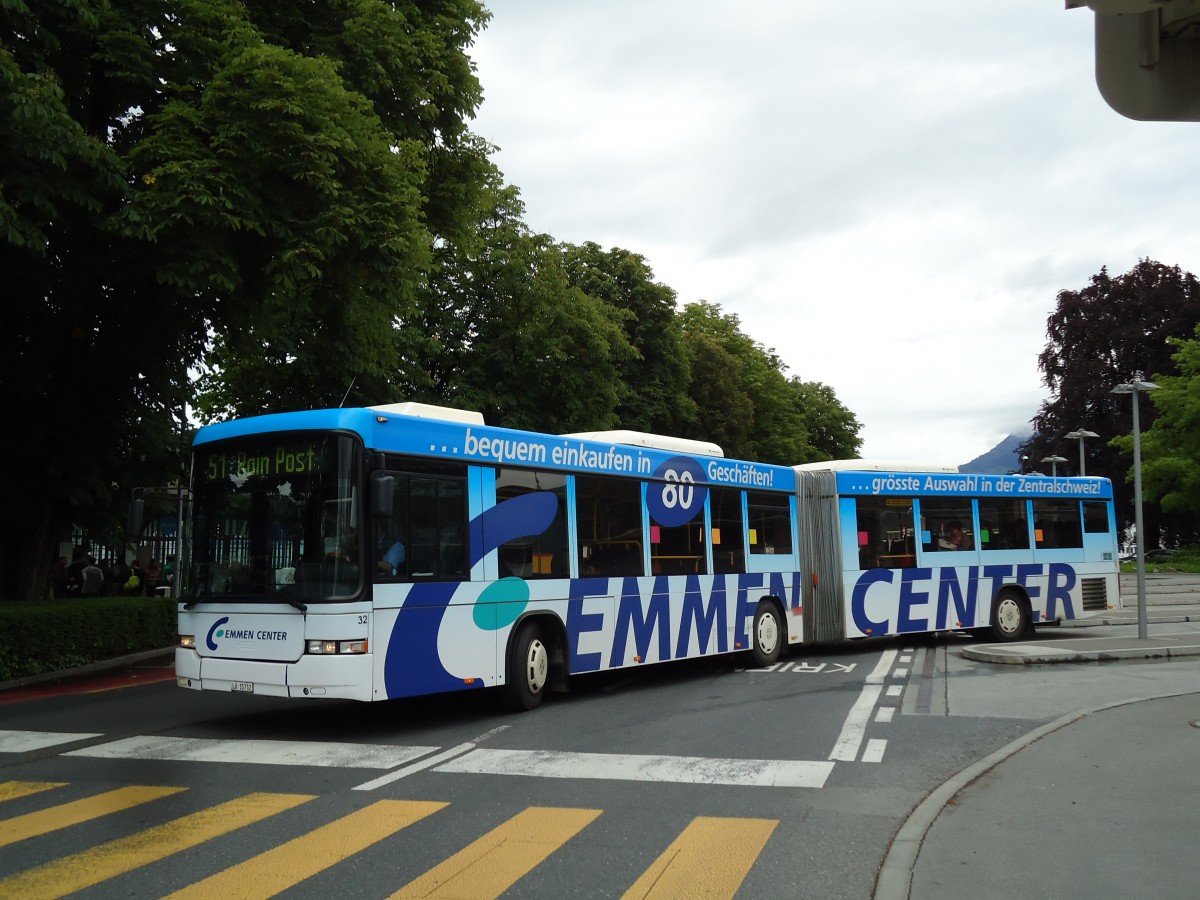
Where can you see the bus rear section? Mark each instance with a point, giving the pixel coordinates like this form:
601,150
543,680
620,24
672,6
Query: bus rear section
925,551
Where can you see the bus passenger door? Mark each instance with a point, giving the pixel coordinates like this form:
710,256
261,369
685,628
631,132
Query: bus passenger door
820,556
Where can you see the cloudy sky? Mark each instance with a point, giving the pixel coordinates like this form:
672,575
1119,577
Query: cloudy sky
889,194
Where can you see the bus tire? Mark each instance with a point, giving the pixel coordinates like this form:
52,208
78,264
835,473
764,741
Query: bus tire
766,639
528,669
1010,616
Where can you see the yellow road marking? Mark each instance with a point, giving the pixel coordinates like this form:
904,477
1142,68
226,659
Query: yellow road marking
287,865
44,821
711,858
11,790
491,865
90,867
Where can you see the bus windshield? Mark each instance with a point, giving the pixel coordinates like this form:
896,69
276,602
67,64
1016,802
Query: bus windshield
275,519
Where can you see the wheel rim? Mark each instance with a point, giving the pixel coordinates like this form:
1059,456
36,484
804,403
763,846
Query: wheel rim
1008,615
537,666
768,634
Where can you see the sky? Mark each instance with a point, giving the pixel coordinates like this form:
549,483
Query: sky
888,194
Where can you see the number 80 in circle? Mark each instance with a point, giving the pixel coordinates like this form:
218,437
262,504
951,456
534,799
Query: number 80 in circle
676,495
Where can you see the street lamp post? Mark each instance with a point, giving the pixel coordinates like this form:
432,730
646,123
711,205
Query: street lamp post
1080,435
1134,388
1054,461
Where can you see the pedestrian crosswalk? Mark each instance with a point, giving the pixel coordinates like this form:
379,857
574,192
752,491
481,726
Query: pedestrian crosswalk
710,856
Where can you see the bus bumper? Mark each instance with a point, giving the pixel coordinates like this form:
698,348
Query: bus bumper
334,677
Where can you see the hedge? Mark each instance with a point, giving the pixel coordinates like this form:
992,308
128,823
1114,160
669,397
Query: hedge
53,635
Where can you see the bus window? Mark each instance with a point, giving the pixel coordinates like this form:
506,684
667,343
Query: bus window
1095,517
678,549
541,555
425,537
1003,524
727,532
608,518
1056,524
770,520
885,533
946,524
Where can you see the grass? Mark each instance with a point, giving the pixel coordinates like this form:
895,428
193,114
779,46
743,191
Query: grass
1186,560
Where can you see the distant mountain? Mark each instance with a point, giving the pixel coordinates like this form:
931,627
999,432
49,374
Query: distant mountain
1000,460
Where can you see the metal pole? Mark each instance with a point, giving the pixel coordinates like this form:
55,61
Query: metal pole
1137,519
1081,460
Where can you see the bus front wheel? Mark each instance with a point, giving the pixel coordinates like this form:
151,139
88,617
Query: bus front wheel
766,641
1010,616
528,669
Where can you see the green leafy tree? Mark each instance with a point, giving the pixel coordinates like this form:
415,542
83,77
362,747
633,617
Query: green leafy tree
716,388
654,393
765,415
1171,447
269,178
504,332
1113,330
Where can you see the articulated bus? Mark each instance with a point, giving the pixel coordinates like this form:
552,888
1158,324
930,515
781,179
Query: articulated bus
406,549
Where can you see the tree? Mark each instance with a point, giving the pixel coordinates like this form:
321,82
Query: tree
654,377
507,334
1171,446
267,176
765,415
1114,330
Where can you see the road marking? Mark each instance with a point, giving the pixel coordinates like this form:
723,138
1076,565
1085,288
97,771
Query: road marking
280,753
885,714
492,864
900,673
874,751
12,790
711,858
430,761
895,690
846,747
287,865
636,767
45,821
419,766
25,741
882,667
90,867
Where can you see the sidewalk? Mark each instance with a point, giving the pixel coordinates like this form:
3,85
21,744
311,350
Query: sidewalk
1170,598
1099,803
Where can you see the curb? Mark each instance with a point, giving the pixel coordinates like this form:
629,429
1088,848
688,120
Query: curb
1033,654
90,669
895,872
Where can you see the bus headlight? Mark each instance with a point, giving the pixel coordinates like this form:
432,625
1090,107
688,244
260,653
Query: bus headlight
187,641
333,648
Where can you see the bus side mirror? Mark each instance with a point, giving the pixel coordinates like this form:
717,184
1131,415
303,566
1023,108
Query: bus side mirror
133,521
382,489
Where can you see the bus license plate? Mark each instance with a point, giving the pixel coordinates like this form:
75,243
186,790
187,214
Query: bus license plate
244,686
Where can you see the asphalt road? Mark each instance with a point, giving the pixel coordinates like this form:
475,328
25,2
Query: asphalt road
683,780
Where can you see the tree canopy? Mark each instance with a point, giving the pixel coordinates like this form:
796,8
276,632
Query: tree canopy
213,208
271,177
1171,446
1113,330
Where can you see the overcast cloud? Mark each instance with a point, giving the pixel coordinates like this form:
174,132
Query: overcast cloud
889,194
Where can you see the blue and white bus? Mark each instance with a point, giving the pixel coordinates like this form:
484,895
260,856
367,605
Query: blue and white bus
406,549
893,550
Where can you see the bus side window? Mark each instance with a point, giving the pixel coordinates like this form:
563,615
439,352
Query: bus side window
608,520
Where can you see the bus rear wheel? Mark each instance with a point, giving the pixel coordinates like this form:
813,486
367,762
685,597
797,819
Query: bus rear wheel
1010,616
528,669
766,641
